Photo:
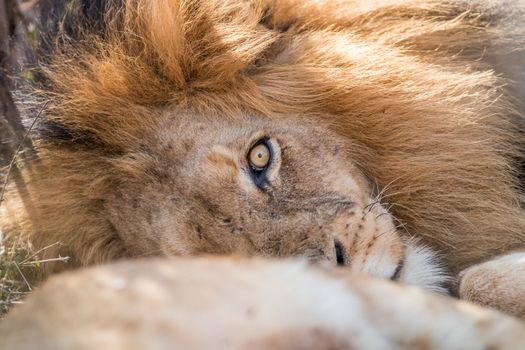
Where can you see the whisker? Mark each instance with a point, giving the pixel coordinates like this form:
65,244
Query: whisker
416,214
387,231
370,206
401,225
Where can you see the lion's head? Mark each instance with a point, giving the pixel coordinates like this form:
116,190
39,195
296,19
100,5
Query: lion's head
255,186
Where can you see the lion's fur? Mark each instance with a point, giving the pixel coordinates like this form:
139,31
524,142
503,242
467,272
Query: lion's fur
404,80
184,303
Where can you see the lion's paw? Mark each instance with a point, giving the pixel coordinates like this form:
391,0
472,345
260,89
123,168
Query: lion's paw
498,283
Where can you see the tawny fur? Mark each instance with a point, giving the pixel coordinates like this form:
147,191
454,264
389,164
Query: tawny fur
404,80
184,304
504,290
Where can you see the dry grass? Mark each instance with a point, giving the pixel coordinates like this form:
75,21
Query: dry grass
17,260
12,285
17,264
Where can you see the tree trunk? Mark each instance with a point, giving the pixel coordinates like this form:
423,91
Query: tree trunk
12,130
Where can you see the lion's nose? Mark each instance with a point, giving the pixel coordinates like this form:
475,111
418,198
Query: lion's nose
340,253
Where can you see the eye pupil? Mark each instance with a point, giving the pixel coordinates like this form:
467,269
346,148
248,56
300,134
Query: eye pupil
259,156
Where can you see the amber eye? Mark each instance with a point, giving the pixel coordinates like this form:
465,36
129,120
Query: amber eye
259,156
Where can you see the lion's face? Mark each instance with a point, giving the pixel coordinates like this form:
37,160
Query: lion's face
258,187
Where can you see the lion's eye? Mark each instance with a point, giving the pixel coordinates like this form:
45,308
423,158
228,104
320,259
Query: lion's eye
259,156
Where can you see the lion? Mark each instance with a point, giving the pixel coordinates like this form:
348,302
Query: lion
183,303
372,135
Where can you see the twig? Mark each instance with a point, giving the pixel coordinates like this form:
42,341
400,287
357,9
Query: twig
35,262
11,302
24,277
14,292
39,251
18,149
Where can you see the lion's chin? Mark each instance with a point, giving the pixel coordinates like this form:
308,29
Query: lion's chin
422,268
